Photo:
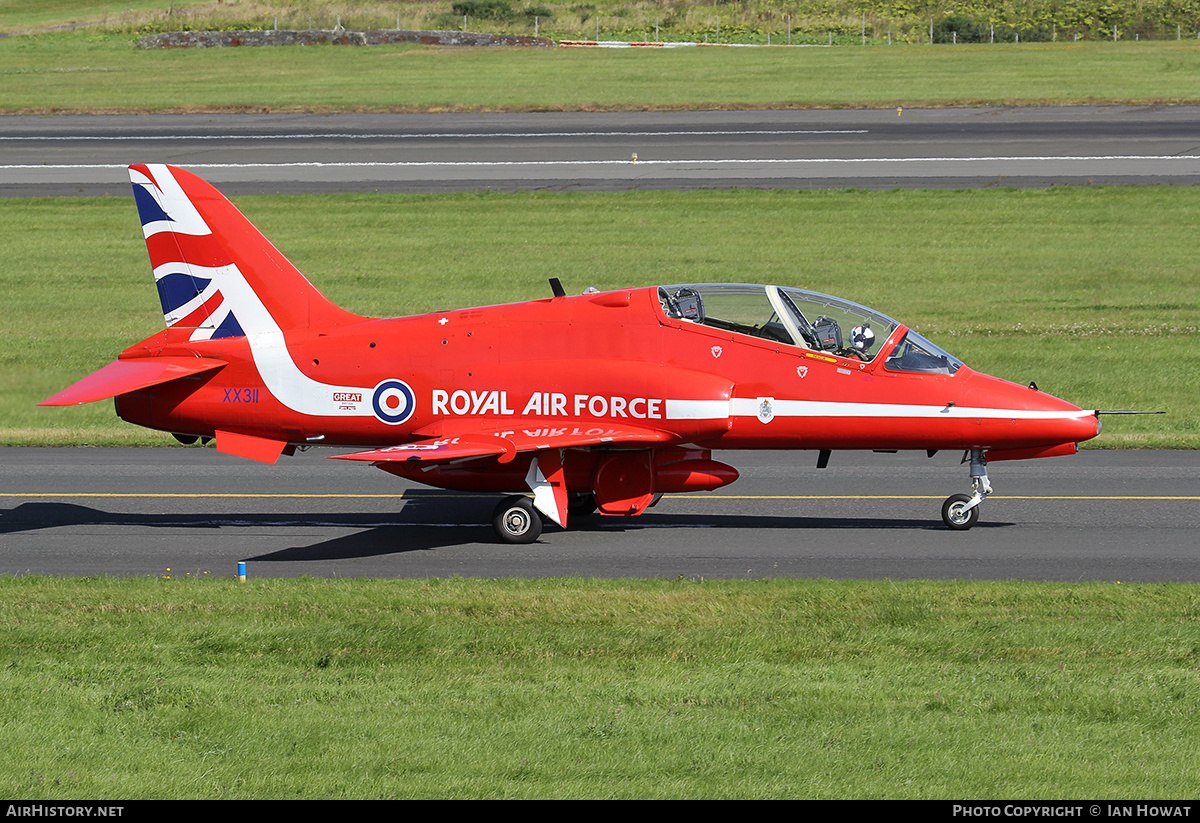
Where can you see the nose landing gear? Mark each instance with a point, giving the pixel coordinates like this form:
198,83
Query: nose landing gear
960,511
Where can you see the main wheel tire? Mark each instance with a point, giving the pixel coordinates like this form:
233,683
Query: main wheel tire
954,516
516,521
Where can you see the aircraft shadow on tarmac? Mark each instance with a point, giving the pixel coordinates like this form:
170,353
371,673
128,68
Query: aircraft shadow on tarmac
417,536
448,522
35,516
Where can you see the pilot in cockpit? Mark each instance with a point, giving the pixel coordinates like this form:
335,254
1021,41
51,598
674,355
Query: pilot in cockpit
862,339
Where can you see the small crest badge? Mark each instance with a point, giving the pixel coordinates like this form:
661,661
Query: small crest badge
716,351
802,371
765,410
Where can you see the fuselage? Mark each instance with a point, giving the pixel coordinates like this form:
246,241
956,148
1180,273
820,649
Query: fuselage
612,358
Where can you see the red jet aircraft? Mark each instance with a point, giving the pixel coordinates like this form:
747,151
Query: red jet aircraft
606,401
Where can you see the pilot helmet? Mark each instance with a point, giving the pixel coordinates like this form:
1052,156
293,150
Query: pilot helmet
862,338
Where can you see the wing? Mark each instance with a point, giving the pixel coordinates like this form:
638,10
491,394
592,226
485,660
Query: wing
480,438
506,439
436,450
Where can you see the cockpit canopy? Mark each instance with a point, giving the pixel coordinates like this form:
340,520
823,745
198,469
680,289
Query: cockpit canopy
805,319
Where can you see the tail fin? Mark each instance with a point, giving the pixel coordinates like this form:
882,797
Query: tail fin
216,274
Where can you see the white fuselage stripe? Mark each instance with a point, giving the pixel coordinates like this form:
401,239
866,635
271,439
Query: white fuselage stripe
751,407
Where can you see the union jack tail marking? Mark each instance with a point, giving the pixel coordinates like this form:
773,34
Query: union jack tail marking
216,274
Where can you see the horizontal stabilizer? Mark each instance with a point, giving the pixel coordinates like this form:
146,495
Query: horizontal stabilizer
124,376
507,439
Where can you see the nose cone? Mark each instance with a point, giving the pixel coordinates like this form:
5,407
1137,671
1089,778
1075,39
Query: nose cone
1010,416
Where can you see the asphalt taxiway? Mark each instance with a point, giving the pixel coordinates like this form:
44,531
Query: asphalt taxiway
1098,515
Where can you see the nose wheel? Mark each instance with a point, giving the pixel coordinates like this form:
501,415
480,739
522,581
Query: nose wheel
961,511
958,513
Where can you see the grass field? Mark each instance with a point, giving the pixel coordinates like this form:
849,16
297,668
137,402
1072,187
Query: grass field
571,689
746,21
88,72
1090,292
185,686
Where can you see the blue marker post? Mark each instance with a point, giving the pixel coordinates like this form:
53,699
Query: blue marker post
242,571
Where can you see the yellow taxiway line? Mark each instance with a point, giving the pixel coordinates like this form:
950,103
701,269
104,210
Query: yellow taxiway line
248,495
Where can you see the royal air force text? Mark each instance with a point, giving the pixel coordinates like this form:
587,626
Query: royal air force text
546,404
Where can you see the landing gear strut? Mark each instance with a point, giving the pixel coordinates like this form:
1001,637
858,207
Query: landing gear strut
961,511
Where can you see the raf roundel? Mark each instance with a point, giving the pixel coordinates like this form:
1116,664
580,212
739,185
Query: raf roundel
393,401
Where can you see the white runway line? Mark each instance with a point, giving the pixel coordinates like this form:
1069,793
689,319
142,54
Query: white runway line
626,162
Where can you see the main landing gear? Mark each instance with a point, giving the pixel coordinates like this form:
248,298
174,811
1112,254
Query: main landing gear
961,511
516,521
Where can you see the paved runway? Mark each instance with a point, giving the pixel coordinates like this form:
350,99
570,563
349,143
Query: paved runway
1128,516
298,153
1099,515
